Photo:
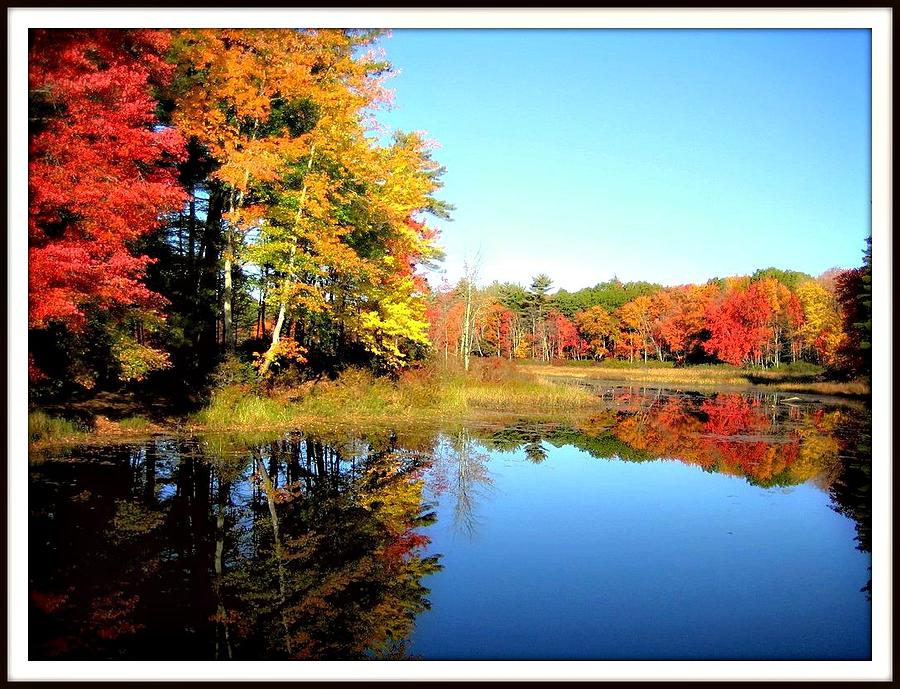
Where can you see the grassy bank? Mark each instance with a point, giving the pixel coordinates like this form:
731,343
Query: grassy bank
804,378
417,396
46,430
43,428
356,397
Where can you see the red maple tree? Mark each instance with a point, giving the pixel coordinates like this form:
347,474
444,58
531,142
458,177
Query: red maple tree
101,169
738,325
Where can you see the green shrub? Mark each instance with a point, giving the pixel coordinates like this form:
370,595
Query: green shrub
137,361
233,371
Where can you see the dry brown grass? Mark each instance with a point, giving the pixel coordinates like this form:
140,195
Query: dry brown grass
853,387
705,377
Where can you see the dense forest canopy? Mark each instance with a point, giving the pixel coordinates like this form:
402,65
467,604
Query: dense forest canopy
208,195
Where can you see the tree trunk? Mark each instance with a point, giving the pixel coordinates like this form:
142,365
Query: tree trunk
282,309
229,255
777,347
261,312
207,279
228,297
467,334
192,228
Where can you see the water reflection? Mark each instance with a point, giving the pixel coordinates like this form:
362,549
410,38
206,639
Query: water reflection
459,469
768,441
186,550
314,546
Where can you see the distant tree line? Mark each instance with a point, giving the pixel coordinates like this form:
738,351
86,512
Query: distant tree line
765,319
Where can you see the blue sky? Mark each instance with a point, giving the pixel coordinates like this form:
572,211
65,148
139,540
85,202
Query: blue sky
664,155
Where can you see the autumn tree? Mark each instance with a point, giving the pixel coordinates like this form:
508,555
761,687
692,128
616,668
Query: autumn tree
853,289
821,333
244,95
680,317
343,235
325,213
101,176
443,327
562,337
597,326
390,297
497,327
637,319
785,318
738,322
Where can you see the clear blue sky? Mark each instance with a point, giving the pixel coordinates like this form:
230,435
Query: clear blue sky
664,155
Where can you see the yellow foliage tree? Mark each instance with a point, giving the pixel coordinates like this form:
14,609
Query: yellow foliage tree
822,329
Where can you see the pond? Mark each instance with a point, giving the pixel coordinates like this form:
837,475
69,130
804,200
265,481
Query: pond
664,526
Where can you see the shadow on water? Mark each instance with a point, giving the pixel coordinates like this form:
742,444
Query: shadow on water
314,546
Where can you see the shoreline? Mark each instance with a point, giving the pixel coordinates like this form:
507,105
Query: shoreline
544,392
706,380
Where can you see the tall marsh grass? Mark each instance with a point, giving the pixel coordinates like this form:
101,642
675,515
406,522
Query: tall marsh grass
45,428
236,406
794,377
423,393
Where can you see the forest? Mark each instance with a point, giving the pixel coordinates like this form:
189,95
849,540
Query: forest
766,319
218,204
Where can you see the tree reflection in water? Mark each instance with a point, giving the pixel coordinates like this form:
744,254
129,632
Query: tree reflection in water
768,439
302,546
334,564
851,490
459,469
758,437
189,552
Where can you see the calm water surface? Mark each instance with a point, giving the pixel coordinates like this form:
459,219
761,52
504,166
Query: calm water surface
667,526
